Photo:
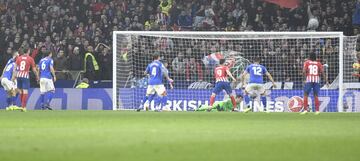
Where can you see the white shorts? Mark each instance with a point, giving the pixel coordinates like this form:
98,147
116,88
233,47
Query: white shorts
159,89
46,85
255,89
8,84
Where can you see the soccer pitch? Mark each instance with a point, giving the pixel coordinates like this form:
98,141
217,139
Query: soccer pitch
177,136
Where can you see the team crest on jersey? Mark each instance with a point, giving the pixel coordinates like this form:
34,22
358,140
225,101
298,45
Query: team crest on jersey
295,104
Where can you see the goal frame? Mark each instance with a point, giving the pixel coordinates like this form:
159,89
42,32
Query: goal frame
340,35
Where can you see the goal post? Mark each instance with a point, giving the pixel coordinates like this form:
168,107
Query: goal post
192,56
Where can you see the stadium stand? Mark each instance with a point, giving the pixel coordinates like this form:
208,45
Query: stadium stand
69,27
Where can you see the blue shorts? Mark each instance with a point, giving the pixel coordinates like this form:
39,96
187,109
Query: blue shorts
314,86
219,86
23,83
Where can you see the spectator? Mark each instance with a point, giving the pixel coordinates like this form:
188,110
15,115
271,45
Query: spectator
178,66
75,60
91,67
193,71
63,25
61,65
185,21
105,63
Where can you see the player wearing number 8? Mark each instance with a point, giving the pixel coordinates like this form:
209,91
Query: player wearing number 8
47,79
21,72
312,70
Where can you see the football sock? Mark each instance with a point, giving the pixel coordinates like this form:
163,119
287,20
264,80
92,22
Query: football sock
163,101
305,103
24,100
317,103
8,101
14,98
263,101
157,102
145,99
50,96
212,100
42,97
151,98
247,100
233,101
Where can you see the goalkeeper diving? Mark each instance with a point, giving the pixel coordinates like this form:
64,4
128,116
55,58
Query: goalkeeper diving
225,105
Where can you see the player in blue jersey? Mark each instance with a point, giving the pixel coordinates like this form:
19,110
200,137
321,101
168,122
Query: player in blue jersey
8,84
255,87
156,71
47,79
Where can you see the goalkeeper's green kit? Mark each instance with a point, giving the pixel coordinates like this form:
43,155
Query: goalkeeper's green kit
225,105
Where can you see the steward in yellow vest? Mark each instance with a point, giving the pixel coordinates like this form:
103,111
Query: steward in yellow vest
91,66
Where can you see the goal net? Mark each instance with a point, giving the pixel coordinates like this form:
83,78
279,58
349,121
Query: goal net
192,56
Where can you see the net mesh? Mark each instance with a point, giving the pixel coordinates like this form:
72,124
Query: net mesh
192,57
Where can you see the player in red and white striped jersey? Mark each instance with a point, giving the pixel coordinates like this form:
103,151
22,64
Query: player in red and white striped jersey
222,73
312,70
21,73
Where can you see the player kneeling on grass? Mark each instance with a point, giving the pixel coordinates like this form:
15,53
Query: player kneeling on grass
47,79
222,83
225,105
156,70
8,84
255,88
312,70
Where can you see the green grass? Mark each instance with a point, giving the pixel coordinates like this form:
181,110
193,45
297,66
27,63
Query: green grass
177,136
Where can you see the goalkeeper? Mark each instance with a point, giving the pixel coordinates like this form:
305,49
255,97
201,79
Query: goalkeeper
225,105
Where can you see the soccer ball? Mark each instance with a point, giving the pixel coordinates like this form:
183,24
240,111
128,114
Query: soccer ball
313,24
296,104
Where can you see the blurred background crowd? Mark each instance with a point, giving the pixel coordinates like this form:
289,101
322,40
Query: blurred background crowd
72,28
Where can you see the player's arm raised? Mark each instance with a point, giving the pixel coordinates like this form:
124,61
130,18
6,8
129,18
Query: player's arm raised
271,79
242,77
35,70
230,75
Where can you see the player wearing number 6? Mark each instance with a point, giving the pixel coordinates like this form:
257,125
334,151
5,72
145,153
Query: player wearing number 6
47,79
21,72
312,70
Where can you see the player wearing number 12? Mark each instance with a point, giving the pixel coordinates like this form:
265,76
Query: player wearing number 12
255,88
47,79
312,70
21,72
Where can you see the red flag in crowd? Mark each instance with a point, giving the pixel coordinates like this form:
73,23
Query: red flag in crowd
285,3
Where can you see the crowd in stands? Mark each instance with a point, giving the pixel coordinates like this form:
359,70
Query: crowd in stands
71,28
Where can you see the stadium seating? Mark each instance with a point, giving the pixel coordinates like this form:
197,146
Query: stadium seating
62,25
